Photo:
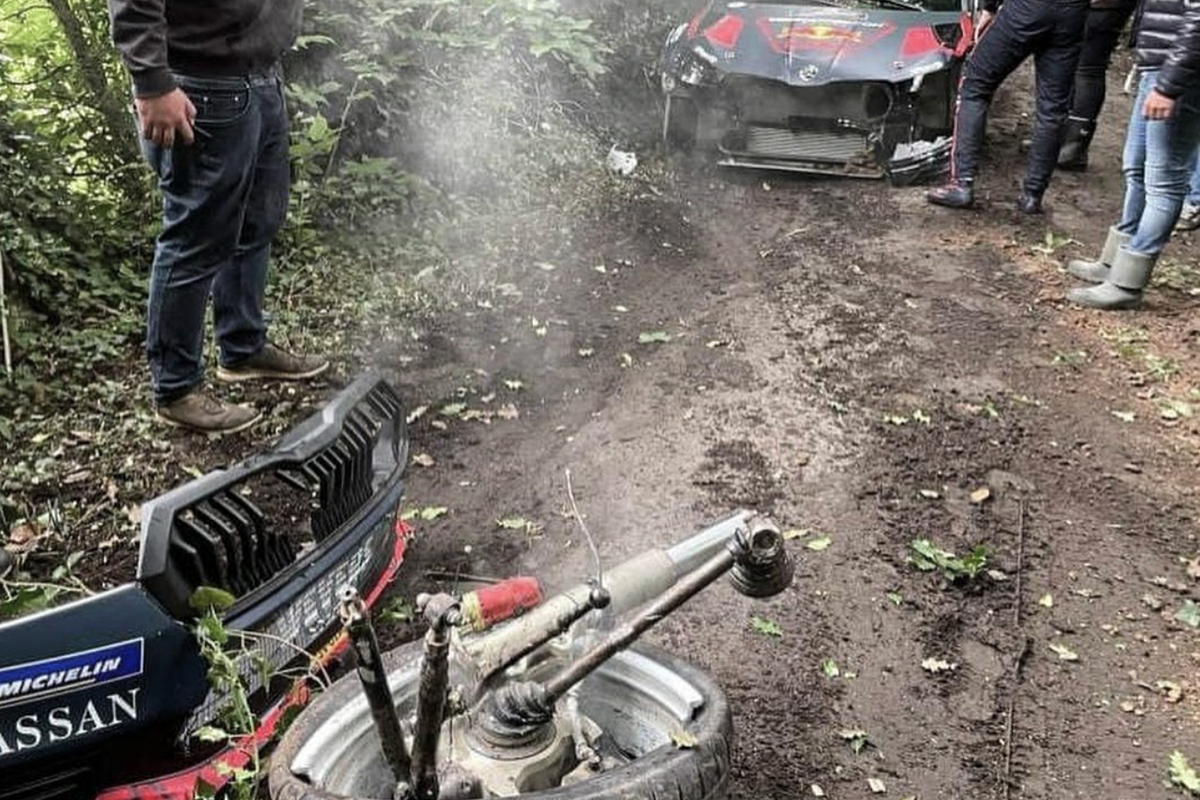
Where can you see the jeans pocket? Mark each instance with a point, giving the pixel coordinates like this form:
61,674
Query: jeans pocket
214,107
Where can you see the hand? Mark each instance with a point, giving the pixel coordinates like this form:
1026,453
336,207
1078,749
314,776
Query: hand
1158,106
986,18
163,116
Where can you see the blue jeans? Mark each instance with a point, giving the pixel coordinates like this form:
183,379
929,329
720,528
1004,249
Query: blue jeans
1158,163
224,199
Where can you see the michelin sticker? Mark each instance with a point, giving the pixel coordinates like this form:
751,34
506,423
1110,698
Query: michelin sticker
40,680
50,677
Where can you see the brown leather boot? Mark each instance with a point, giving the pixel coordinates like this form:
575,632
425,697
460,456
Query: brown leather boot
203,413
273,364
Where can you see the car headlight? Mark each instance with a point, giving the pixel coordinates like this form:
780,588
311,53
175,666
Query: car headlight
698,69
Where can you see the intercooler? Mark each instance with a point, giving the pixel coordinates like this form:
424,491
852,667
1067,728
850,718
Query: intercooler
836,146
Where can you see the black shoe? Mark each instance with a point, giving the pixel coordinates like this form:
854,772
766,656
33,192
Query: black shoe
1073,155
953,195
1029,203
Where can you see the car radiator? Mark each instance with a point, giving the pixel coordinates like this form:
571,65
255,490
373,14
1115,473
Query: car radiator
768,142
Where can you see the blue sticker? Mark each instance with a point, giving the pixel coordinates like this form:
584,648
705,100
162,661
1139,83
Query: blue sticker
37,680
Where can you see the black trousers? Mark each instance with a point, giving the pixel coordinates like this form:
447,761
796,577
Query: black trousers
1052,32
1100,38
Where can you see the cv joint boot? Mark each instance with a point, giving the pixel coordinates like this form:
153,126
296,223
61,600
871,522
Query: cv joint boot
1073,155
1097,271
1128,277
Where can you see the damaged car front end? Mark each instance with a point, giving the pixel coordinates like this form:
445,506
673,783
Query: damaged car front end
865,89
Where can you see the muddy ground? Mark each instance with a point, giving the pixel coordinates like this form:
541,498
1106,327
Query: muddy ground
860,365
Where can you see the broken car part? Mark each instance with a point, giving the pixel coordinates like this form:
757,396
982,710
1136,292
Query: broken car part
558,716
863,90
368,665
102,696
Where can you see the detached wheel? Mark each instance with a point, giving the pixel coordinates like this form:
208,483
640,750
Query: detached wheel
641,698
680,121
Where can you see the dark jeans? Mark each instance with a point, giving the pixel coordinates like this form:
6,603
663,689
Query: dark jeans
1100,37
224,199
1052,33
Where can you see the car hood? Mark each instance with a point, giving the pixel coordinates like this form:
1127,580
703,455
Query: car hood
817,44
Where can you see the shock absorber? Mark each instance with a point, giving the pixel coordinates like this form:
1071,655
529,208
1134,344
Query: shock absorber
373,676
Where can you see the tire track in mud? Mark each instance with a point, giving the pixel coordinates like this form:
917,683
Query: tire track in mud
876,354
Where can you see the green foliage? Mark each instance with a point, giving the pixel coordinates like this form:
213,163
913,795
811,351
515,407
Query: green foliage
1183,775
19,596
926,556
236,719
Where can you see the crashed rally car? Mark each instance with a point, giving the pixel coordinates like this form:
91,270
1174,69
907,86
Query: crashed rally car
104,697
859,88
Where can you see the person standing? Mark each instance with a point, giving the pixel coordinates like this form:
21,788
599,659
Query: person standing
208,91
1052,32
1106,21
1160,149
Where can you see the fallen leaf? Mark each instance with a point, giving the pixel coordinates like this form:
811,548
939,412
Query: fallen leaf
423,460
937,665
530,527
795,533
816,790
427,513
1125,416
22,533
653,337
856,738
1189,614
1182,773
684,740
1173,691
980,495
766,627
1063,652
830,668
452,409
930,494
819,544
877,786
1046,600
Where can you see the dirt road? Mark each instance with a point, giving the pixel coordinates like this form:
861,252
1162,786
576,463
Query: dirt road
860,365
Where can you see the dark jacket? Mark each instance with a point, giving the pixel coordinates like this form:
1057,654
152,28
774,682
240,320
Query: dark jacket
200,37
1168,40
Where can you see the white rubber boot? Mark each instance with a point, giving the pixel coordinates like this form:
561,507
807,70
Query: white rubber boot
1097,271
1129,275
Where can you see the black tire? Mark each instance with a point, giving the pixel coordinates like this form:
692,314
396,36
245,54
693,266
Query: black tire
700,772
680,122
